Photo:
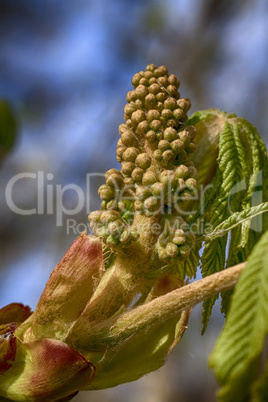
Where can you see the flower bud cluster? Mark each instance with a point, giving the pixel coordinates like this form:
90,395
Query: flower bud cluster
112,228
154,150
175,242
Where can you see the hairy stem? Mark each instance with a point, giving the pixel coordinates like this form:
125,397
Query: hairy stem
180,299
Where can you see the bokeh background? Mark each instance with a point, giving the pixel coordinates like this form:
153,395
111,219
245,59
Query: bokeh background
65,69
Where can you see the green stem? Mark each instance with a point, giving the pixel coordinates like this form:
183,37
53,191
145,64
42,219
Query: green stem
165,307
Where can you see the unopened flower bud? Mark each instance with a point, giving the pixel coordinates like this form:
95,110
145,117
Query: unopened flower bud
137,174
130,154
127,168
137,117
143,192
128,138
149,178
143,161
182,171
172,250
168,156
151,203
164,145
105,192
170,103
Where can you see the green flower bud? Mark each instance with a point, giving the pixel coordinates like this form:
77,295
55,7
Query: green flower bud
184,104
138,205
141,91
154,89
144,81
191,184
179,114
162,253
109,216
143,192
101,231
177,146
158,189
179,240
119,153
143,161
162,70
157,154
130,154
137,174
143,127
163,81
129,109
155,125
111,204
182,171
164,145
167,177
136,79
129,139
150,101
116,227
134,233
170,134
112,241
137,117
153,115
172,123
161,97
172,90
95,216
150,136
185,137
166,114
151,203
172,250
127,168
125,236
149,178
180,185
168,156
173,80
105,192
170,103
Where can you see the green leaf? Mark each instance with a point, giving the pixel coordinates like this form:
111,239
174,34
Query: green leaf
213,260
189,266
236,219
240,184
260,388
236,356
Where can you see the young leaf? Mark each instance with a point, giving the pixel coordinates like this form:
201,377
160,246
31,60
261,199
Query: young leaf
236,356
239,184
236,219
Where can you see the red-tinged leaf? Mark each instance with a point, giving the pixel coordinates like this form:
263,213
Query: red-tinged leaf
69,288
7,346
14,312
44,371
